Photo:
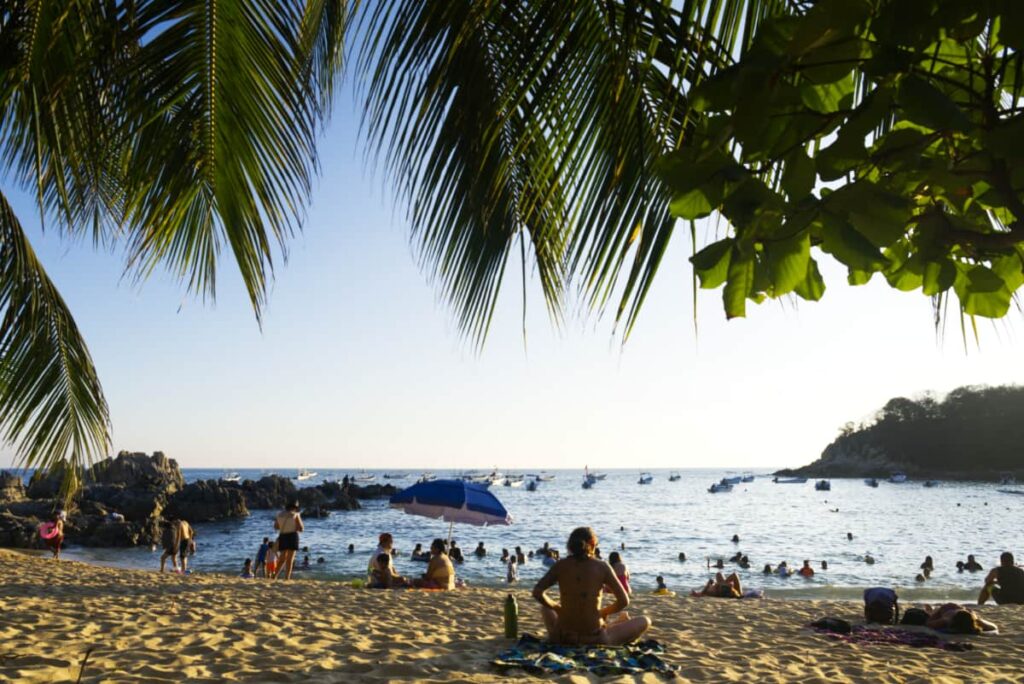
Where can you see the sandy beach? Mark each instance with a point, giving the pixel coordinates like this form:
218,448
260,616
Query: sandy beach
143,626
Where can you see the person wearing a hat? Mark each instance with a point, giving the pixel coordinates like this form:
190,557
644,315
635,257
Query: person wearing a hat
54,543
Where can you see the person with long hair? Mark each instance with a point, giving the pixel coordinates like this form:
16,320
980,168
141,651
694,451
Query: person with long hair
288,523
579,618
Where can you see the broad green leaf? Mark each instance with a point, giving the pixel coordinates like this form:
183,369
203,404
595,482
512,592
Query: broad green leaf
938,276
827,22
981,291
925,104
850,247
1009,269
712,263
908,276
878,215
812,288
798,175
834,61
788,262
856,276
739,284
828,97
691,205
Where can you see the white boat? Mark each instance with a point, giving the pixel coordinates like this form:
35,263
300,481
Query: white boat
305,475
645,478
427,477
719,487
231,477
364,477
600,476
543,477
509,482
790,480
898,478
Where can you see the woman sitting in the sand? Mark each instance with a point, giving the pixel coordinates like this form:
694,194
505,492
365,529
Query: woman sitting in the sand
579,618
440,572
952,617
721,587
383,575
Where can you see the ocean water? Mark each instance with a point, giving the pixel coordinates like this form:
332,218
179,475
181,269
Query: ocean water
897,524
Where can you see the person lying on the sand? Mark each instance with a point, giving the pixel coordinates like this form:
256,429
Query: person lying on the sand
952,617
721,587
383,575
440,572
579,618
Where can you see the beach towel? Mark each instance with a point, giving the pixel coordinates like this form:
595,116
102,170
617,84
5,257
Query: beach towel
893,636
540,657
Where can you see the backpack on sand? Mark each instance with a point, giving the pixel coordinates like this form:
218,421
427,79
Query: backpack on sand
881,605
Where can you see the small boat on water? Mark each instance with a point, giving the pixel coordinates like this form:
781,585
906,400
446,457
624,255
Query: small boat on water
305,475
231,477
587,483
898,477
427,477
719,487
394,476
790,480
931,483
674,477
510,482
645,478
731,480
747,478
1011,491
544,477
823,486
364,477
871,482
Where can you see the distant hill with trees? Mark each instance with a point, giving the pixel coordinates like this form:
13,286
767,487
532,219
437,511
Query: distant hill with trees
972,433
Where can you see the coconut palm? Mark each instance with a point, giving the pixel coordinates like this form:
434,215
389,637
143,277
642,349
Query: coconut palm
174,129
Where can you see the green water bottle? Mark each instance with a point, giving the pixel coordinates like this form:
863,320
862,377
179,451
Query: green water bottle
511,617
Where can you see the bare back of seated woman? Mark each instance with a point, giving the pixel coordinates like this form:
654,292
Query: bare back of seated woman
579,618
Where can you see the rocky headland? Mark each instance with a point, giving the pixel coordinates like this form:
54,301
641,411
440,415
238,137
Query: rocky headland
123,501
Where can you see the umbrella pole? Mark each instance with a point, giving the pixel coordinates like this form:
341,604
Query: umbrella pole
450,523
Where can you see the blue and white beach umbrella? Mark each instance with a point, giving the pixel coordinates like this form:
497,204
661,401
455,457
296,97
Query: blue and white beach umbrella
454,501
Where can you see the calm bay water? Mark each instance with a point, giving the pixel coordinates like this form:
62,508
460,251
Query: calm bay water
897,524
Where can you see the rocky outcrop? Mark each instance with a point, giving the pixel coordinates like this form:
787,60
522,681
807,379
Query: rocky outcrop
11,487
17,532
206,501
138,471
268,492
374,491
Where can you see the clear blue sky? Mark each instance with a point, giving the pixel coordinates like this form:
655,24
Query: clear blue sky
358,363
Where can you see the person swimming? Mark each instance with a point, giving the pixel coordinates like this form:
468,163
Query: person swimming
972,565
504,555
849,536
520,556
351,548
735,539
744,562
682,557
480,551
661,584
928,564
806,571
580,618
767,569
512,575
782,569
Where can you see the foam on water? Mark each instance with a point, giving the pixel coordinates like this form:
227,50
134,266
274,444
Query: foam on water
897,524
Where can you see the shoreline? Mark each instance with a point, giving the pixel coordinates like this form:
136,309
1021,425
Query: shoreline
144,626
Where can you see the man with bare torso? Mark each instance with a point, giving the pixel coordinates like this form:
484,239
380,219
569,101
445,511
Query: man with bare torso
579,618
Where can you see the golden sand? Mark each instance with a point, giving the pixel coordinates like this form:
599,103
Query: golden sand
144,626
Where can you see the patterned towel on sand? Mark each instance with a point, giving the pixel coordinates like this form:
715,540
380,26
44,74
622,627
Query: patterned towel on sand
540,657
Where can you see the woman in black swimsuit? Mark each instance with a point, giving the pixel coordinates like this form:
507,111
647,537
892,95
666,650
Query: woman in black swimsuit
289,523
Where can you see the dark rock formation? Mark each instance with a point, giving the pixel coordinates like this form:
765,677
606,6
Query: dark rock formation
374,491
17,532
138,471
11,487
43,485
269,492
207,500
315,512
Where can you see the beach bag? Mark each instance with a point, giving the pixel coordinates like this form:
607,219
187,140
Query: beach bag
881,605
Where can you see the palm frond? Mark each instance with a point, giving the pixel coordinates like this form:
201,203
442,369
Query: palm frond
481,109
227,98
52,406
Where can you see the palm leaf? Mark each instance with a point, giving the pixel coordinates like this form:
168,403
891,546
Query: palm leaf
51,404
468,103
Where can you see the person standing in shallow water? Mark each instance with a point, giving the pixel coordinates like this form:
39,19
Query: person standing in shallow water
580,618
288,523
